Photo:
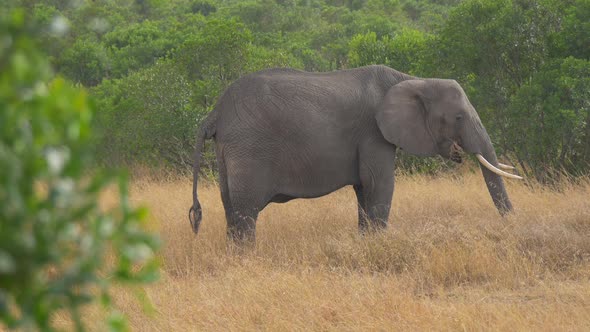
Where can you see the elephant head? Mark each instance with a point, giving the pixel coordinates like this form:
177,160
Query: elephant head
434,116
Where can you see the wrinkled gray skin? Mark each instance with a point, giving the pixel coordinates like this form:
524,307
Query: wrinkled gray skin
282,134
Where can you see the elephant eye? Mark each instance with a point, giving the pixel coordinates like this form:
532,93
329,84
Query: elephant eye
459,117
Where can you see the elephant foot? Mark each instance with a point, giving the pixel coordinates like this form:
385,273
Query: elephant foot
372,226
241,230
376,220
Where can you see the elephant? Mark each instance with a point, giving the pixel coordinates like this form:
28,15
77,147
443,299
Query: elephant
282,134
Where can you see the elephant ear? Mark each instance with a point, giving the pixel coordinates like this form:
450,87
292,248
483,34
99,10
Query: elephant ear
402,118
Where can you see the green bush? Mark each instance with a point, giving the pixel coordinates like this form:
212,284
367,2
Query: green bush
85,62
58,248
558,139
404,51
149,117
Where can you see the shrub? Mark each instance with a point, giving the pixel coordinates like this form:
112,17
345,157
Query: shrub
58,248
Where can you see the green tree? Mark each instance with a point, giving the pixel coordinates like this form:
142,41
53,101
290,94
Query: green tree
550,119
149,116
404,52
408,48
261,16
92,19
368,50
508,55
572,38
137,45
493,48
376,22
54,237
55,26
86,62
203,7
220,50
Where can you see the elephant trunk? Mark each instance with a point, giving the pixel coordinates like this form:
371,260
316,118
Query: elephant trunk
482,146
495,182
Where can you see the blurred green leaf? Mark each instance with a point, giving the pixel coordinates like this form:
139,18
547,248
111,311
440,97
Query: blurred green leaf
54,236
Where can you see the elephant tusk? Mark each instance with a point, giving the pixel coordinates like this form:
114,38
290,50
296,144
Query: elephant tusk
504,166
494,169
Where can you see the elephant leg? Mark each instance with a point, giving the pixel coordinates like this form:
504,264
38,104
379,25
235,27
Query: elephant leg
241,227
241,224
362,208
248,195
224,188
377,184
378,204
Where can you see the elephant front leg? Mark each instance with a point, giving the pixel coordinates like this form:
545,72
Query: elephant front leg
377,210
362,208
377,192
378,216
372,215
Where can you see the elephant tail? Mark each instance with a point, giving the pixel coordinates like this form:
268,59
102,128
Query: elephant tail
206,131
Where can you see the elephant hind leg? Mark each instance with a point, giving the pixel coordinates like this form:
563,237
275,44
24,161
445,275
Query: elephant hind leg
241,223
248,195
241,227
224,188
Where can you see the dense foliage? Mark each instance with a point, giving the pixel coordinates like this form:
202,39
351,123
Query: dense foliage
58,248
157,67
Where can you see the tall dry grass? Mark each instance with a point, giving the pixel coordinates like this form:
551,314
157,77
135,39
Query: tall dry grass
447,262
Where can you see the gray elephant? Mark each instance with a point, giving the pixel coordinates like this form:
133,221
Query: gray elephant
282,134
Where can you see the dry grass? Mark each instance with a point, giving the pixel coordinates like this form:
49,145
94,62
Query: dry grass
447,262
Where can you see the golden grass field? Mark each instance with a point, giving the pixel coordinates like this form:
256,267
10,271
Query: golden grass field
447,262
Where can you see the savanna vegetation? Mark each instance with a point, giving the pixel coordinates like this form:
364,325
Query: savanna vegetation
447,262
90,85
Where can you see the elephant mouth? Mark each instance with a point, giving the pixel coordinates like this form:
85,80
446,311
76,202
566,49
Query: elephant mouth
456,153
